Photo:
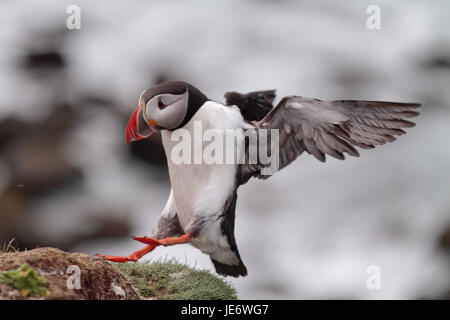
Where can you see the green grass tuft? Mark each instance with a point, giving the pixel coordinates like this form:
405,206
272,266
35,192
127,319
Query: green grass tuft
170,280
9,247
26,280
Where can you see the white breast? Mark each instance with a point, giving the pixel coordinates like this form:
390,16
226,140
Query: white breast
202,189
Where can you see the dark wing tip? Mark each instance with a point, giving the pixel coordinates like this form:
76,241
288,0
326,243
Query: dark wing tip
254,106
232,98
268,95
394,104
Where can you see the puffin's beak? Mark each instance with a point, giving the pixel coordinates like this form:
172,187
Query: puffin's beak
137,127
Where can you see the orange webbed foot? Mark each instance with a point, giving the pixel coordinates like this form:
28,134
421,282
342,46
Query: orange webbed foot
135,256
151,244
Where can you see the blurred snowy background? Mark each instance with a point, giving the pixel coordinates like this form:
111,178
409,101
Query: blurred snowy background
68,179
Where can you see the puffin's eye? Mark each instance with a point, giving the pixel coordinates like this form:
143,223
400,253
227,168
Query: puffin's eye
161,105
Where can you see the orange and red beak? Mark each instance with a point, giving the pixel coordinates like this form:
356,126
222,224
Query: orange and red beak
137,127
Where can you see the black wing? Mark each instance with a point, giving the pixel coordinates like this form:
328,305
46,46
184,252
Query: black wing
254,106
331,128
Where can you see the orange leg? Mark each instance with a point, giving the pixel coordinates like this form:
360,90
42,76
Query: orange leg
151,245
166,241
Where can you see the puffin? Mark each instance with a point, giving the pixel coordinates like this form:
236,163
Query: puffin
201,206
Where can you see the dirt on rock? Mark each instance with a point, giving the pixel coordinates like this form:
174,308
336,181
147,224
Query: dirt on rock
98,280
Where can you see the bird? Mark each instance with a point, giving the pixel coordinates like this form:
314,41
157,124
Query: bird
201,206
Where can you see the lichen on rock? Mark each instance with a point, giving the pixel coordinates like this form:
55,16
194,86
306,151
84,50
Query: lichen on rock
26,280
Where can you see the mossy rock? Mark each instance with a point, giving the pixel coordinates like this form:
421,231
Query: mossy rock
56,269
27,280
170,280
43,273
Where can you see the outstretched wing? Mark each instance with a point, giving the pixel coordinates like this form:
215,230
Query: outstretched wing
254,106
332,128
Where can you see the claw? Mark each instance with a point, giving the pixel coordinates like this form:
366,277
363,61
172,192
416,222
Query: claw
98,256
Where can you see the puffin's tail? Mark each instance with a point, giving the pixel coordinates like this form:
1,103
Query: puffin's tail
230,270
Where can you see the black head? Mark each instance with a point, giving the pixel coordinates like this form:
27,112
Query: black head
166,106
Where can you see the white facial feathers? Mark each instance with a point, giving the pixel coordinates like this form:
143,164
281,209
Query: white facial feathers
167,110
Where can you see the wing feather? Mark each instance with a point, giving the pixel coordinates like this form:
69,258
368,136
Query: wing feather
333,128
